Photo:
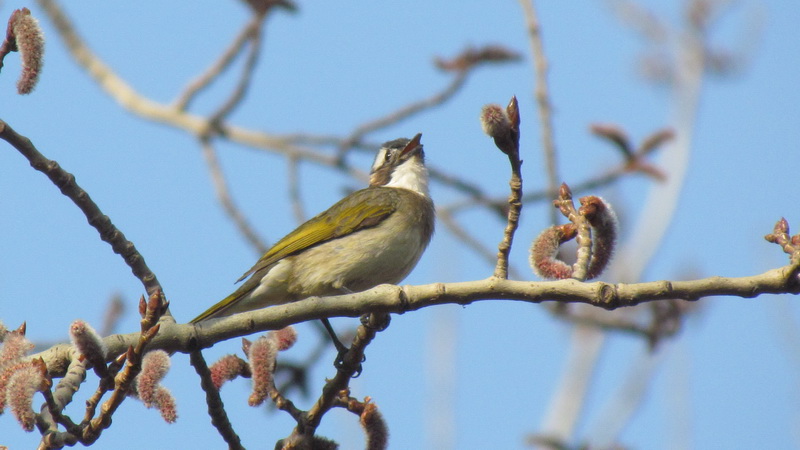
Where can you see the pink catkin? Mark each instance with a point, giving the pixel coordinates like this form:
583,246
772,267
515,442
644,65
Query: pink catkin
544,250
6,372
375,427
87,341
14,347
495,121
155,365
225,369
30,42
166,404
605,227
22,384
262,363
284,338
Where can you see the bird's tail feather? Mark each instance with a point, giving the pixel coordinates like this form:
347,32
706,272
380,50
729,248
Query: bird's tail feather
219,309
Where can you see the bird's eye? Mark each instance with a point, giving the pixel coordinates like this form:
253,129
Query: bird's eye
389,154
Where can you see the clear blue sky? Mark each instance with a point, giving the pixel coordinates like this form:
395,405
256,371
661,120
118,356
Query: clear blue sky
335,65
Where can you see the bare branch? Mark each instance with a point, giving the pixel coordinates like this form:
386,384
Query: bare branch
216,69
396,299
503,127
463,65
65,181
403,113
542,96
293,179
225,199
371,324
238,93
490,256
216,409
131,100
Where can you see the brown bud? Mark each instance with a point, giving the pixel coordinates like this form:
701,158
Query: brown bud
564,192
513,112
142,306
782,226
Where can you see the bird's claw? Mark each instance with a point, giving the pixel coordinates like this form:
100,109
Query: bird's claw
340,364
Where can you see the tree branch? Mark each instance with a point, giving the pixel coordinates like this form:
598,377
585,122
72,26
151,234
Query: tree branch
65,181
396,299
542,96
216,409
226,200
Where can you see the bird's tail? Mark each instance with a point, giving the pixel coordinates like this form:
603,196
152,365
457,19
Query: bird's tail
220,309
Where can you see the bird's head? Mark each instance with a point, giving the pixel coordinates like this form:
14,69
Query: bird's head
401,163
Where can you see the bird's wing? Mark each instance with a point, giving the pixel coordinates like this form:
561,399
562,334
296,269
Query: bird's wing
362,209
359,210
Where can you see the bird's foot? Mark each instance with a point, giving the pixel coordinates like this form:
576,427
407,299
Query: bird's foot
342,364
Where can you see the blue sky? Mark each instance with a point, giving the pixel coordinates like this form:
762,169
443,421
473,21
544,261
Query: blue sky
336,65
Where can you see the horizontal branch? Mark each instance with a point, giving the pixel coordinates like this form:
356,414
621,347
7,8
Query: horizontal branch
400,299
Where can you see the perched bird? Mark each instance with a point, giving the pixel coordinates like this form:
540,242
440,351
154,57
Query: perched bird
373,236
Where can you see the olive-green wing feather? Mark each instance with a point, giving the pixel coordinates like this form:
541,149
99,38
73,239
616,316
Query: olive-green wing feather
362,209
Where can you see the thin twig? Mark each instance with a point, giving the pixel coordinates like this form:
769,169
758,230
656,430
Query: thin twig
371,325
58,399
225,199
112,315
209,152
152,311
216,409
406,111
293,180
123,383
499,204
583,257
511,149
65,181
543,101
665,319
224,61
462,65
660,206
291,145
476,195
238,93
134,102
662,199
484,252
515,205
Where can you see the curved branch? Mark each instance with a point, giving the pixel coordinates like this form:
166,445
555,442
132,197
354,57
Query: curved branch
226,200
212,73
133,101
406,111
65,181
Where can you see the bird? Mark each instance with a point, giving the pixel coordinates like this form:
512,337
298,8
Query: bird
372,236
